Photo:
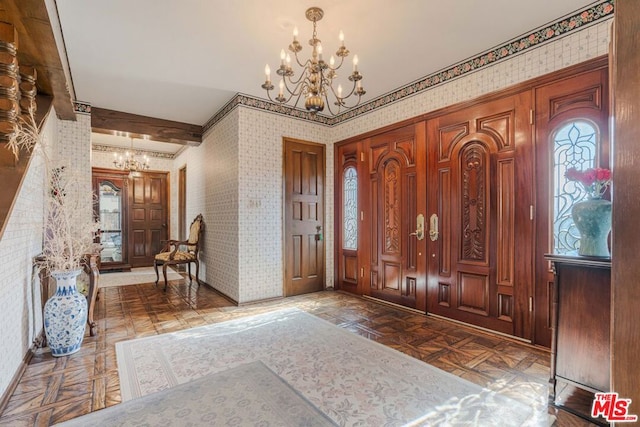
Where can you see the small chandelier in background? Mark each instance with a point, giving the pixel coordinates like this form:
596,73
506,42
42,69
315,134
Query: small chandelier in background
316,81
129,161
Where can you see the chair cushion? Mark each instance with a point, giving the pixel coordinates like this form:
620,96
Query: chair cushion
194,232
178,256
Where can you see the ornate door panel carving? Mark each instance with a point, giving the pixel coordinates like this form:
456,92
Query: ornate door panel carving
396,179
479,159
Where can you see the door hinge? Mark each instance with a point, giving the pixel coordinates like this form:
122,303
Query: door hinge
361,271
362,156
530,303
531,116
361,215
531,212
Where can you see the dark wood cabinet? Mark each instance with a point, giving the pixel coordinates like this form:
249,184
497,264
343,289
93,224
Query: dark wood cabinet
581,345
111,198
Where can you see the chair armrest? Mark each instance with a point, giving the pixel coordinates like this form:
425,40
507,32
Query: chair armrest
175,243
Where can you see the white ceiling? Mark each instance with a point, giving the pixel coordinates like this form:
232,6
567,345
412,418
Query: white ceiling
184,59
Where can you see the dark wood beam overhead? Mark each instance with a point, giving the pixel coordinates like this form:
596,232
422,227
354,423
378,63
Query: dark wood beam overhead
116,122
37,47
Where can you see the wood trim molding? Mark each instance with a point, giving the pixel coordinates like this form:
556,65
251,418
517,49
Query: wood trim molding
37,47
11,388
112,122
12,172
625,269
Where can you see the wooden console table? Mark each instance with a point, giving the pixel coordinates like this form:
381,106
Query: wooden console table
91,267
580,346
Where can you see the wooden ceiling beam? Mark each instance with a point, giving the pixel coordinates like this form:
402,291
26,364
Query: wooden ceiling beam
37,47
116,122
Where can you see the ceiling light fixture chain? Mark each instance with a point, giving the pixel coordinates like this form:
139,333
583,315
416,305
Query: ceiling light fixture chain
129,162
316,81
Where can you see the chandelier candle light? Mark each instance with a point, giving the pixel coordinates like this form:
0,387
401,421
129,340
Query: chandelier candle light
316,81
129,161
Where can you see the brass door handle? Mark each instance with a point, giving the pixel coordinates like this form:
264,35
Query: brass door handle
433,228
419,233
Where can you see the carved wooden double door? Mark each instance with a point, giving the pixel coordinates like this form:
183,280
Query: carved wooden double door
438,209
480,178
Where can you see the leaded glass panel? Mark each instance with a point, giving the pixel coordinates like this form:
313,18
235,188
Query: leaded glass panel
350,209
574,146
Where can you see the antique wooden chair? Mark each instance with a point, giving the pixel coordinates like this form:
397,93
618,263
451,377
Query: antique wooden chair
181,252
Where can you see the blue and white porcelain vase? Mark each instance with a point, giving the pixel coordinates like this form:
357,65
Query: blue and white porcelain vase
65,315
592,217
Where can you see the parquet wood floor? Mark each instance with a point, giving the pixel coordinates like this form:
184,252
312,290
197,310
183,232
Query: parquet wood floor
57,389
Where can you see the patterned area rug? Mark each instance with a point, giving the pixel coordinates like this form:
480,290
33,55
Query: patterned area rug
248,394
135,277
353,380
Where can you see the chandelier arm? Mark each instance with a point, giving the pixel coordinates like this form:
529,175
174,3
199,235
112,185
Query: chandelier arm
337,67
328,104
342,104
129,161
297,81
304,64
315,84
280,99
296,86
347,107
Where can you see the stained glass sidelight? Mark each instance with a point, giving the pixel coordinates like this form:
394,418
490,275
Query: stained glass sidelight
350,208
574,146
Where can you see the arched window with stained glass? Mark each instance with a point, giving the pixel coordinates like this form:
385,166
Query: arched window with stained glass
575,145
350,209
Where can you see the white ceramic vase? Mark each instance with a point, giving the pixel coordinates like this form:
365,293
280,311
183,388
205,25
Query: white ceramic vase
65,315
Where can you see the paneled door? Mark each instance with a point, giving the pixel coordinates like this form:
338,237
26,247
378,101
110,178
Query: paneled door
147,216
396,269
571,131
349,202
304,217
479,227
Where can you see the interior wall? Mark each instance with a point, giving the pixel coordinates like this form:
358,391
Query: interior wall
574,48
260,196
20,312
212,189
73,150
251,224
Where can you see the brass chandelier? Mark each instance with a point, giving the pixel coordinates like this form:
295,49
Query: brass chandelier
316,80
129,162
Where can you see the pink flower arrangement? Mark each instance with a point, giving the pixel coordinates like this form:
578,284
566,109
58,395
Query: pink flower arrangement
594,180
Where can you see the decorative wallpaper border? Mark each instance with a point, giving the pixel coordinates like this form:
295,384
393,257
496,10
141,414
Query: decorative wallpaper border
588,16
264,105
156,154
81,107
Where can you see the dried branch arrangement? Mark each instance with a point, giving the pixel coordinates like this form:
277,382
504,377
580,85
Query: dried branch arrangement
69,231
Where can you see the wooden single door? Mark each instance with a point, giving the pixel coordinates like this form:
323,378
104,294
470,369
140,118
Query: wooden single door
182,204
350,202
481,175
147,215
396,191
571,131
304,217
